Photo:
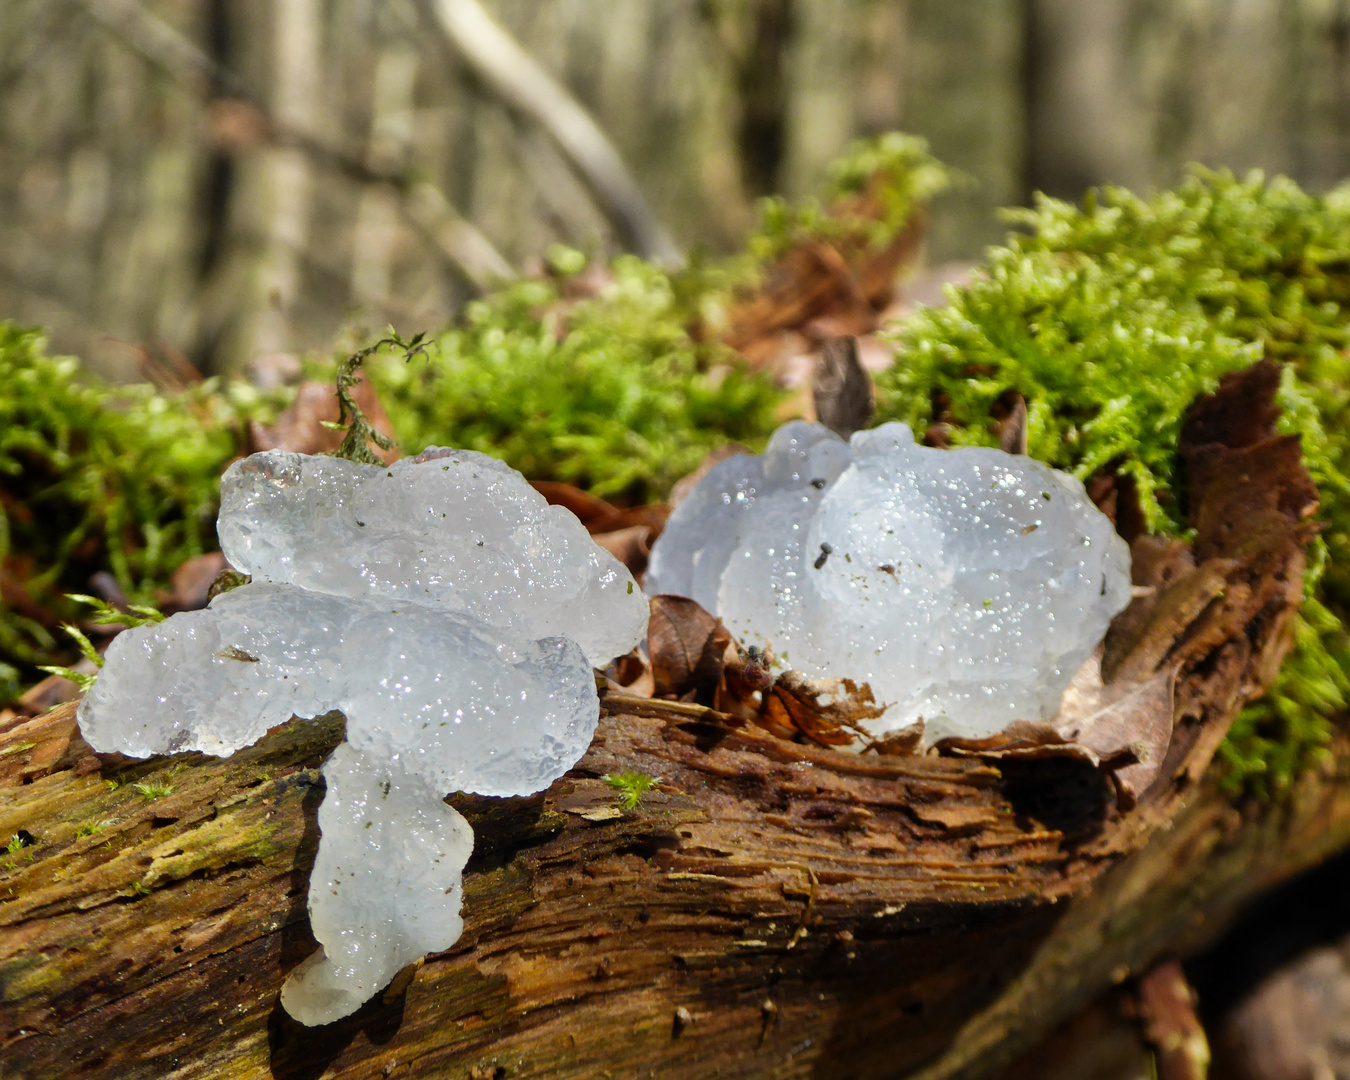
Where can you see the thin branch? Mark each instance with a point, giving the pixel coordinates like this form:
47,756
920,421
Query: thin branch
517,79
457,240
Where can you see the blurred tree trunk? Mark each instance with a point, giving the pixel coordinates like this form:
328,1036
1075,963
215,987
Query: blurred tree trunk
297,103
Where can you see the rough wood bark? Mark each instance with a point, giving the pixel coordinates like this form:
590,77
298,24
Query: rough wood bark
771,909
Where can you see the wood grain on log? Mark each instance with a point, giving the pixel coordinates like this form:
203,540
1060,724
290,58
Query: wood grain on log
771,909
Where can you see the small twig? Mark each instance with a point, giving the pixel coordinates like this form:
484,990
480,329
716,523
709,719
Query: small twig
662,709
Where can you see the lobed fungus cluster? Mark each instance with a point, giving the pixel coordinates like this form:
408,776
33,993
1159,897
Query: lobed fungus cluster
449,613
965,587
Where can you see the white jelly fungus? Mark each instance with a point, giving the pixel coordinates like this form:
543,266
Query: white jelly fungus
449,612
965,586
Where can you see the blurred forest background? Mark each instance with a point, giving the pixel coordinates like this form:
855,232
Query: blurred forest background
222,179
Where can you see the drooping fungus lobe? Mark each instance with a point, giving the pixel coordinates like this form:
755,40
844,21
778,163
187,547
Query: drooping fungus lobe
966,586
448,612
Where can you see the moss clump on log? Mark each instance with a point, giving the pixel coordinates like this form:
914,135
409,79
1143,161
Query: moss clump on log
94,479
1107,320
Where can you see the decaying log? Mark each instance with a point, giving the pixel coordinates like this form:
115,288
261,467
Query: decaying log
770,909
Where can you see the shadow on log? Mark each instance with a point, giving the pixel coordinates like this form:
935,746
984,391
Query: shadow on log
770,909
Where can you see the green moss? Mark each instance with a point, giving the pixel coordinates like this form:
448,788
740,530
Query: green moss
98,479
613,393
1109,319
631,786
893,170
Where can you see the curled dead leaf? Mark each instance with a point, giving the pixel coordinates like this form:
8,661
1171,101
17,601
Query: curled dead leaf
902,743
1128,726
688,648
631,546
626,533
583,504
190,585
630,674
1012,430
831,712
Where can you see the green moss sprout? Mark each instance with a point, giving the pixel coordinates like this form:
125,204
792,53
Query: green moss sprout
631,786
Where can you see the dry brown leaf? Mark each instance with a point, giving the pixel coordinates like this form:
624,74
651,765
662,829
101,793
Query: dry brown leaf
1240,413
631,674
627,533
1123,728
190,586
823,288
687,646
1012,430
1117,497
631,546
831,712
841,388
1128,726
809,282
902,743
583,504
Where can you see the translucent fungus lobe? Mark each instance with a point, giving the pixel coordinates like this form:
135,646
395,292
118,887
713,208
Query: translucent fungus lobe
965,586
448,612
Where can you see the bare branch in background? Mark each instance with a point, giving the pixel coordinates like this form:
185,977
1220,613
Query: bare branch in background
516,77
462,245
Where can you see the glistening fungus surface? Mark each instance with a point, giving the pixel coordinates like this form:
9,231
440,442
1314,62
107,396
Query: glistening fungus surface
448,612
965,587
